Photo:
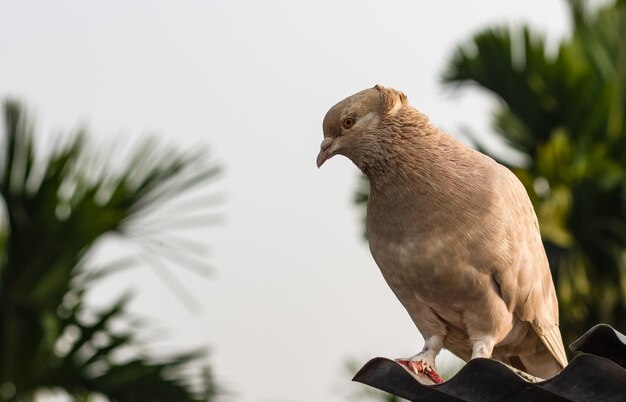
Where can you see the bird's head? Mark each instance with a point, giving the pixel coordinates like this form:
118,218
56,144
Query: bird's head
358,126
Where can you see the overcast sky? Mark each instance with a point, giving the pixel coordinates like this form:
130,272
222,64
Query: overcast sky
294,292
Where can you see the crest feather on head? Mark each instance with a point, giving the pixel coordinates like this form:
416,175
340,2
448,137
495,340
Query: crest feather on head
394,99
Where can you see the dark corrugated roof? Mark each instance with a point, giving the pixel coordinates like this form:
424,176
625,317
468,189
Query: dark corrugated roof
598,374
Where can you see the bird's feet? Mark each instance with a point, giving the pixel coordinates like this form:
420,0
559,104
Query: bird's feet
418,364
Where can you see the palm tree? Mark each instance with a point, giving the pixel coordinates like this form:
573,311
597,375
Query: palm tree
55,210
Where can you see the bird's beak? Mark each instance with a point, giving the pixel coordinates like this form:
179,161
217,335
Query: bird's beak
326,151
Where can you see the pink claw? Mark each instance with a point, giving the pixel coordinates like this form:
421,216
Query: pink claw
419,366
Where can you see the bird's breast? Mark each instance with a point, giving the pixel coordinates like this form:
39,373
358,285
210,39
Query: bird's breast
428,247
428,266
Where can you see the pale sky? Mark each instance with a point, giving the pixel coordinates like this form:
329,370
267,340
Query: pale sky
294,292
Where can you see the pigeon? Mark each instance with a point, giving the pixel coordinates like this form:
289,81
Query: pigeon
454,234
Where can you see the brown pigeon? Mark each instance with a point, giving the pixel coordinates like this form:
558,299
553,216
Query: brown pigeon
454,235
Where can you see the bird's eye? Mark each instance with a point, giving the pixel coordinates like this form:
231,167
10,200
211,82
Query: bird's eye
347,122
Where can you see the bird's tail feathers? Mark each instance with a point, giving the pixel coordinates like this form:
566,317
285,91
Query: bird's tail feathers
549,361
553,341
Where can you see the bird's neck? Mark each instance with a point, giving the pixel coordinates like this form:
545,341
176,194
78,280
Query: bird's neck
429,173
423,160
405,188
427,179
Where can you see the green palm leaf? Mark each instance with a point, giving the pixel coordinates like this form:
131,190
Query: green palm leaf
55,210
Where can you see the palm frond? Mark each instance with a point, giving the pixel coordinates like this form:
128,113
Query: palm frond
57,208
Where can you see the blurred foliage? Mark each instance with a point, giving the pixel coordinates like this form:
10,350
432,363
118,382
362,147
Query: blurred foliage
565,111
54,210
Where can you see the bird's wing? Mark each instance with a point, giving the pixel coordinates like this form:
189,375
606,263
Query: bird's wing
525,280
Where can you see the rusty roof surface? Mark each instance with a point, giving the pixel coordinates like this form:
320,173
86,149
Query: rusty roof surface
598,373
